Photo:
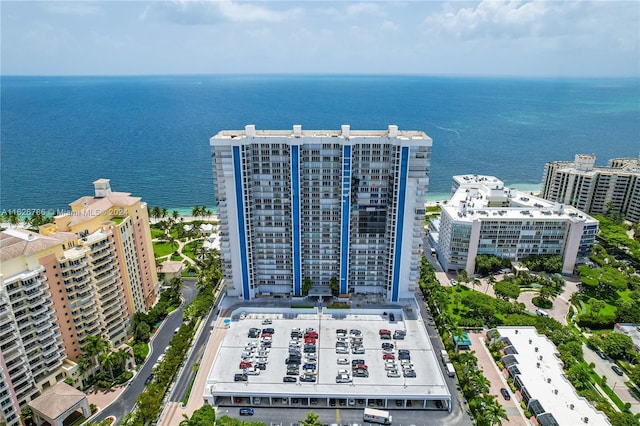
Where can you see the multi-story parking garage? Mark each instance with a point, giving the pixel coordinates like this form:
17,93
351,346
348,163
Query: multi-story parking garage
427,390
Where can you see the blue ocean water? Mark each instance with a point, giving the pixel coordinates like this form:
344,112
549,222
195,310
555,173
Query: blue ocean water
150,135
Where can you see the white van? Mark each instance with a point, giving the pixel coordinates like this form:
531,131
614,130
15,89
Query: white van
542,313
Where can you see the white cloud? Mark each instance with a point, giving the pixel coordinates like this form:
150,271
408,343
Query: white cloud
389,26
205,12
73,8
358,9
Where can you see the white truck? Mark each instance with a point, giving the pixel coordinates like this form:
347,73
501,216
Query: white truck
450,370
377,416
445,356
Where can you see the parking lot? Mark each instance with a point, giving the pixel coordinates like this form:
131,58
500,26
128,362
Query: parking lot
334,374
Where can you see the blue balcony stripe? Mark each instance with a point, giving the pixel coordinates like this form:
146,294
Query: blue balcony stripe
297,261
344,237
241,225
397,256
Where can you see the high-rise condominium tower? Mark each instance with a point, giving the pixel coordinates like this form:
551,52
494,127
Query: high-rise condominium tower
319,206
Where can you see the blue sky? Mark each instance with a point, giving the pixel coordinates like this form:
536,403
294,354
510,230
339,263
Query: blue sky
486,38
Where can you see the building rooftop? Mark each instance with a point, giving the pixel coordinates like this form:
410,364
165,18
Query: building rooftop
297,132
171,267
484,197
21,242
541,372
58,399
87,207
429,381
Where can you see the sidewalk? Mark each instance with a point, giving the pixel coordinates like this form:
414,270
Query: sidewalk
497,381
173,411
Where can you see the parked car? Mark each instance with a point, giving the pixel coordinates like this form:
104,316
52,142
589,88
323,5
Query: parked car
307,378
409,373
388,356
268,330
393,373
617,370
384,331
392,317
505,394
289,379
240,377
342,361
454,282
246,411
266,321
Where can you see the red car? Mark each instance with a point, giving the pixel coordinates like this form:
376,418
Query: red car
388,356
311,334
384,331
360,366
245,364
310,340
266,335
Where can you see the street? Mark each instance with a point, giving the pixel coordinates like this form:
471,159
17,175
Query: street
125,402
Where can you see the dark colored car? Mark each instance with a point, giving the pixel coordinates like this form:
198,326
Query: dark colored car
505,394
149,379
239,377
289,379
617,370
332,402
268,330
246,411
392,317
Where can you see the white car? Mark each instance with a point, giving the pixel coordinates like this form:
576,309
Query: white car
342,350
393,373
343,371
252,371
454,282
390,366
343,378
343,361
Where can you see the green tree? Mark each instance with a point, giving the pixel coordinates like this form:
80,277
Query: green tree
141,333
312,419
27,416
204,416
175,215
617,345
507,290
580,375
334,284
306,286
156,212
108,361
495,413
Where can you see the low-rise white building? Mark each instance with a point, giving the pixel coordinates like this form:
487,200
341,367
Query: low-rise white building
485,217
532,360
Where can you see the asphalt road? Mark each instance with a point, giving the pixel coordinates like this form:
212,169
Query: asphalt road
125,402
195,355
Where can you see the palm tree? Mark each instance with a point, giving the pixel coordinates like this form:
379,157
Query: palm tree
494,412
108,361
94,347
13,218
164,212
156,212
311,420
175,215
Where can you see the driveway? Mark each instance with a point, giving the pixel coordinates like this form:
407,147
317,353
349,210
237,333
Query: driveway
497,381
615,382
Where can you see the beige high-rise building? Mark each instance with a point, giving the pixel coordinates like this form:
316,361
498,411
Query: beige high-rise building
32,349
84,275
595,189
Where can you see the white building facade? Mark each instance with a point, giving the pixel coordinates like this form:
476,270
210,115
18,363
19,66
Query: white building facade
321,205
485,217
594,189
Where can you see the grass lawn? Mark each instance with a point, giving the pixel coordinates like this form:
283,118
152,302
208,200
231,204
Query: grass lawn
156,233
163,249
187,250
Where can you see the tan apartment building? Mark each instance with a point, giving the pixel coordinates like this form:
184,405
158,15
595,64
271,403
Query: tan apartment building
84,275
32,351
595,189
